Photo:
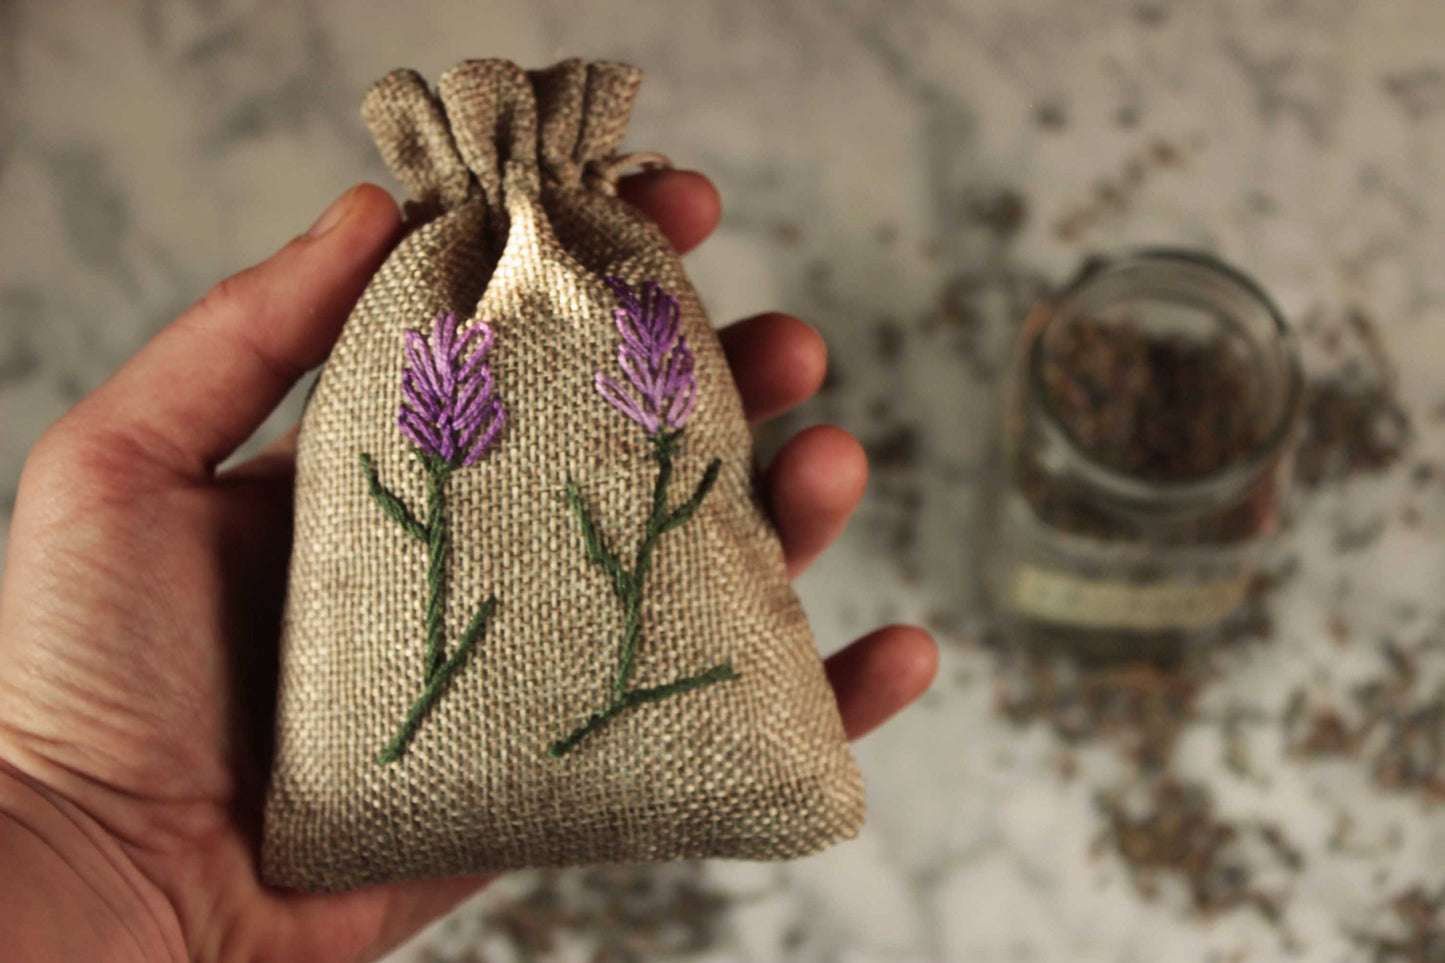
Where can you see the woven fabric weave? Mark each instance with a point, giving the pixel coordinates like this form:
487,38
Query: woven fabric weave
512,222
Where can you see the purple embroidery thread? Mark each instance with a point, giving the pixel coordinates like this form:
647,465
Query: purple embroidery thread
655,358
448,411
658,363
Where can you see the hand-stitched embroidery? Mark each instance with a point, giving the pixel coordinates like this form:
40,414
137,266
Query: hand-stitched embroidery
658,364
449,413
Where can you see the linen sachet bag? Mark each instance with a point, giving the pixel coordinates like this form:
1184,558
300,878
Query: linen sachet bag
536,616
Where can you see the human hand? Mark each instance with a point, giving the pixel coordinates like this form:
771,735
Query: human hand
140,614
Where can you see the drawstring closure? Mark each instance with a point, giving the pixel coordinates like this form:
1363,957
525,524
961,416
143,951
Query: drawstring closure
602,175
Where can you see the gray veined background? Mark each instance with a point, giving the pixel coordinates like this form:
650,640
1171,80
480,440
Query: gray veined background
908,176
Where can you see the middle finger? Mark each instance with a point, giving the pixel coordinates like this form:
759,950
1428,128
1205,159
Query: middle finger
777,361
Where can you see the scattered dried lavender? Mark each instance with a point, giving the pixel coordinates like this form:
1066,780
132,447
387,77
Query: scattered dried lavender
1114,196
1397,729
1352,425
1160,408
1136,702
1141,708
1417,930
627,914
1156,407
1002,213
1174,832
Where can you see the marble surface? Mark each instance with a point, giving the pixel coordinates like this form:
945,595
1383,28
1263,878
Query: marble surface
907,175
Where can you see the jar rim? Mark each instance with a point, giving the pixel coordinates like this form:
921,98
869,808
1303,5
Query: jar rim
1206,488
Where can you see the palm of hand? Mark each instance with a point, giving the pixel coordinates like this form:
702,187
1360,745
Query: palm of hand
159,602
141,604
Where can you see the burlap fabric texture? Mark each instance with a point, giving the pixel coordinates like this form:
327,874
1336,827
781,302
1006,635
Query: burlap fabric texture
465,580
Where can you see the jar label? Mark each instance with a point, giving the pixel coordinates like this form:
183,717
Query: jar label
1053,597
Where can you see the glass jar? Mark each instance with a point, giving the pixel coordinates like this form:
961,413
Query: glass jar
1146,434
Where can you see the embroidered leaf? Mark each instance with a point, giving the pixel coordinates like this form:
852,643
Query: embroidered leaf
393,506
475,627
597,550
435,686
685,511
718,673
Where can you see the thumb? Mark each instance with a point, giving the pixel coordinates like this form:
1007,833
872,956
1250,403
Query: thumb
198,389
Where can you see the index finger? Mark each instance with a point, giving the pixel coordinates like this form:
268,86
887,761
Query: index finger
685,204
201,386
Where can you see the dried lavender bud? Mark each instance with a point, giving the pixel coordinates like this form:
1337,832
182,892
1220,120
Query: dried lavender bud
1159,408
1156,407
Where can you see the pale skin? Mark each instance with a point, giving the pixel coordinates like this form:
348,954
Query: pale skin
139,615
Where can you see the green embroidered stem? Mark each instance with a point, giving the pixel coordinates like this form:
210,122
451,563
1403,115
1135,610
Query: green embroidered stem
438,681
718,673
437,668
436,571
663,455
685,511
658,524
632,599
627,587
434,534
389,503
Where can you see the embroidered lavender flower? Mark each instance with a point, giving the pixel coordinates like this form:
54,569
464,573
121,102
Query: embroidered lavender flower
658,363
655,358
448,410
449,413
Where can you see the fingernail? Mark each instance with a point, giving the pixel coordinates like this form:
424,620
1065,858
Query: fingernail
333,215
